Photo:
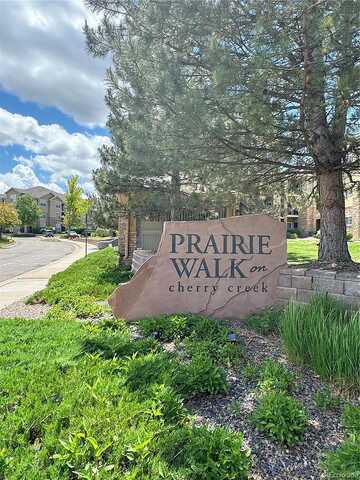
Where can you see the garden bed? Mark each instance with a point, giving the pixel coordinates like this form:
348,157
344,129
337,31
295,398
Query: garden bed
172,397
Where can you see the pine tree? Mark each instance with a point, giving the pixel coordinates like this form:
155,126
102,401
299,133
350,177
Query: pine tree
270,88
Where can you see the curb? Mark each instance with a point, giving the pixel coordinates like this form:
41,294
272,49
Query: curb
20,277
12,245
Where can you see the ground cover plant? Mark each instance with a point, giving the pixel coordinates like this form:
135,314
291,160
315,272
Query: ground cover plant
325,335
344,462
88,280
68,413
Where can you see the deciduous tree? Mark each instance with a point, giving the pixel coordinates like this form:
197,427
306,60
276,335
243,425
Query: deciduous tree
8,217
75,205
28,210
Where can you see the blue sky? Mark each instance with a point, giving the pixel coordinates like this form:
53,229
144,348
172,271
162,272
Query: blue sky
52,112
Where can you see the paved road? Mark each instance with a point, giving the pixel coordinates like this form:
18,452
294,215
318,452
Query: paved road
30,253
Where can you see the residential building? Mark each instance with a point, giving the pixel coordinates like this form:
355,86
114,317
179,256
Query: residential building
307,219
51,203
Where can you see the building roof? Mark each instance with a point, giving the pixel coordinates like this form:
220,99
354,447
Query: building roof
38,192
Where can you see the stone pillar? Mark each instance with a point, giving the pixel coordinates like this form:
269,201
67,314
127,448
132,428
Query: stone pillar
127,237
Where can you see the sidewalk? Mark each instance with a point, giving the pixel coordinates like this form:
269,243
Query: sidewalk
27,283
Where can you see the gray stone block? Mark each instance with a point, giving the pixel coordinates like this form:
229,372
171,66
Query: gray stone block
348,299
304,295
286,292
352,288
328,285
284,280
302,282
353,276
298,271
285,271
316,272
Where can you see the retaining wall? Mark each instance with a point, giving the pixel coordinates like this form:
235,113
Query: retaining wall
300,284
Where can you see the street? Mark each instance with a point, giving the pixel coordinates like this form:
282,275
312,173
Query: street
30,253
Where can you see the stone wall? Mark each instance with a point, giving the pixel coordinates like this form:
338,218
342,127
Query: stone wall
300,284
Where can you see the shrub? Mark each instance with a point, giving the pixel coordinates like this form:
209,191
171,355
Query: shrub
167,404
167,327
251,371
100,232
349,237
351,419
201,376
266,322
200,454
82,306
143,371
275,376
324,335
280,417
222,352
325,400
344,462
292,235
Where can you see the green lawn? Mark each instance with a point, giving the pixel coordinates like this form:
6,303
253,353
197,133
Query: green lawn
302,251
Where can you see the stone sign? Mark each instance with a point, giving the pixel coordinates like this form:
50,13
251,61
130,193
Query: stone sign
226,268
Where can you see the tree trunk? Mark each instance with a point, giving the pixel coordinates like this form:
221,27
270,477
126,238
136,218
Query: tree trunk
333,244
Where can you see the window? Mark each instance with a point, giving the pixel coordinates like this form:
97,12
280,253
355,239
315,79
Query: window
348,221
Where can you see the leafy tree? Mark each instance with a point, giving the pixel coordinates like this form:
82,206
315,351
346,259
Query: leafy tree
270,88
8,217
75,205
28,210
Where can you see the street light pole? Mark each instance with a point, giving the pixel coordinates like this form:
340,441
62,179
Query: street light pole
86,234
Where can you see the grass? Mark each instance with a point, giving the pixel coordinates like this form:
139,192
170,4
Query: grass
325,335
304,251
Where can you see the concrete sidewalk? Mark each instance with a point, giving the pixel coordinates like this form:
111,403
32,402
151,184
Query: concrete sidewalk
26,284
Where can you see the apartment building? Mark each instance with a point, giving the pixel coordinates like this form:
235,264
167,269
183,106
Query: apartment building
51,203
307,219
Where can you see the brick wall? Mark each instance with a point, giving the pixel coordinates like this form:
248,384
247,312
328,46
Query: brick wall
300,284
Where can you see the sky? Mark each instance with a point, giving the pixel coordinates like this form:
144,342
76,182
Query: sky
52,109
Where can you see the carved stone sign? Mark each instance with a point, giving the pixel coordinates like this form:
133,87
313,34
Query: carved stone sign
224,268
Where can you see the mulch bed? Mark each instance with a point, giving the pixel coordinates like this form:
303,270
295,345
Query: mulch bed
21,310
271,461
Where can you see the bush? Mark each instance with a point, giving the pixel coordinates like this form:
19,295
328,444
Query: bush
292,235
222,353
266,322
325,400
168,405
167,327
200,454
280,417
275,377
351,419
345,461
324,335
349,237
200,377
100,232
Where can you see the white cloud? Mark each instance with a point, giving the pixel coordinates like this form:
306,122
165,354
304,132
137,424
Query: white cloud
43,58
51,150
22,176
